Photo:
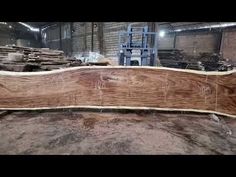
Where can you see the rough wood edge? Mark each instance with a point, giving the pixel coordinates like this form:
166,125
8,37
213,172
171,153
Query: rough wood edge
123,107
12,73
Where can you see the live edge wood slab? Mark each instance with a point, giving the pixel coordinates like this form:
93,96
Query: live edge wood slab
119,87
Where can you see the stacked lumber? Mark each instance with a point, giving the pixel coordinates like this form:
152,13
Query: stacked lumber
120,87
174,58
171,54
210,60
21,59
46,55
16,58
4,50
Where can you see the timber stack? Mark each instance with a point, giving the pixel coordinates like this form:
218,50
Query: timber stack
171,54
14,58
214,61
174,58
26,59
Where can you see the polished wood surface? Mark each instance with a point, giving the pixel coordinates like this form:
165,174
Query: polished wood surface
120,87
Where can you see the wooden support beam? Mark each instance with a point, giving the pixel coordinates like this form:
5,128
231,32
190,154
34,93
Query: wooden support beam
119,87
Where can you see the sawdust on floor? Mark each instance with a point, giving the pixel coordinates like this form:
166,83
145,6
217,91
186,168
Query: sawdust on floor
81,132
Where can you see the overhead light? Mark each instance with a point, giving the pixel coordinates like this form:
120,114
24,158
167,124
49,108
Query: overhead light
162,33
29,27
3,23
10,26
217,25
48,26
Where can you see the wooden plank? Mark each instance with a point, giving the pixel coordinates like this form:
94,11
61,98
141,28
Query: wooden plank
122,88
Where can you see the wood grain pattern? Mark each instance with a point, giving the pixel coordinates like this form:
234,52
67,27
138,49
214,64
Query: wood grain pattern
120,87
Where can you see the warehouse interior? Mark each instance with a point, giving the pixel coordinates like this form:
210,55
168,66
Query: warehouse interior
53,47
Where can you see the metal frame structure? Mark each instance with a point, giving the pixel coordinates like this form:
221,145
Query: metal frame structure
147,54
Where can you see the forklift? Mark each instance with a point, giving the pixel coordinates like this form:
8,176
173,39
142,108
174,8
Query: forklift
137,39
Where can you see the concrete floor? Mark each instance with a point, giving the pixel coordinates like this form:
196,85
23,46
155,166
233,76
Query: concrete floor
81,132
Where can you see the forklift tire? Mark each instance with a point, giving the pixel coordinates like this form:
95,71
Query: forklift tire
122,59
152,59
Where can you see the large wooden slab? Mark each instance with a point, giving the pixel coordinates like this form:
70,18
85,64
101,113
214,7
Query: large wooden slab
120,87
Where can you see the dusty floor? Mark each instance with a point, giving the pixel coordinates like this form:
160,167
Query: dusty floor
81,132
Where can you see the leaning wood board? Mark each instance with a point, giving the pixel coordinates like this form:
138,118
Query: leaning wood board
119,87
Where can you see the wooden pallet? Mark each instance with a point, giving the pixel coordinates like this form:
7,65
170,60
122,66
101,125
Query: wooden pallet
119,87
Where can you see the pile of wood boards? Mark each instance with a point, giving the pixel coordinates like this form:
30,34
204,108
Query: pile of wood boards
171,54
15,58
4,50
174,58
213,61
21,59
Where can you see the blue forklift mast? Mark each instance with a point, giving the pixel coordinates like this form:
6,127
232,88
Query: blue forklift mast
137,38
